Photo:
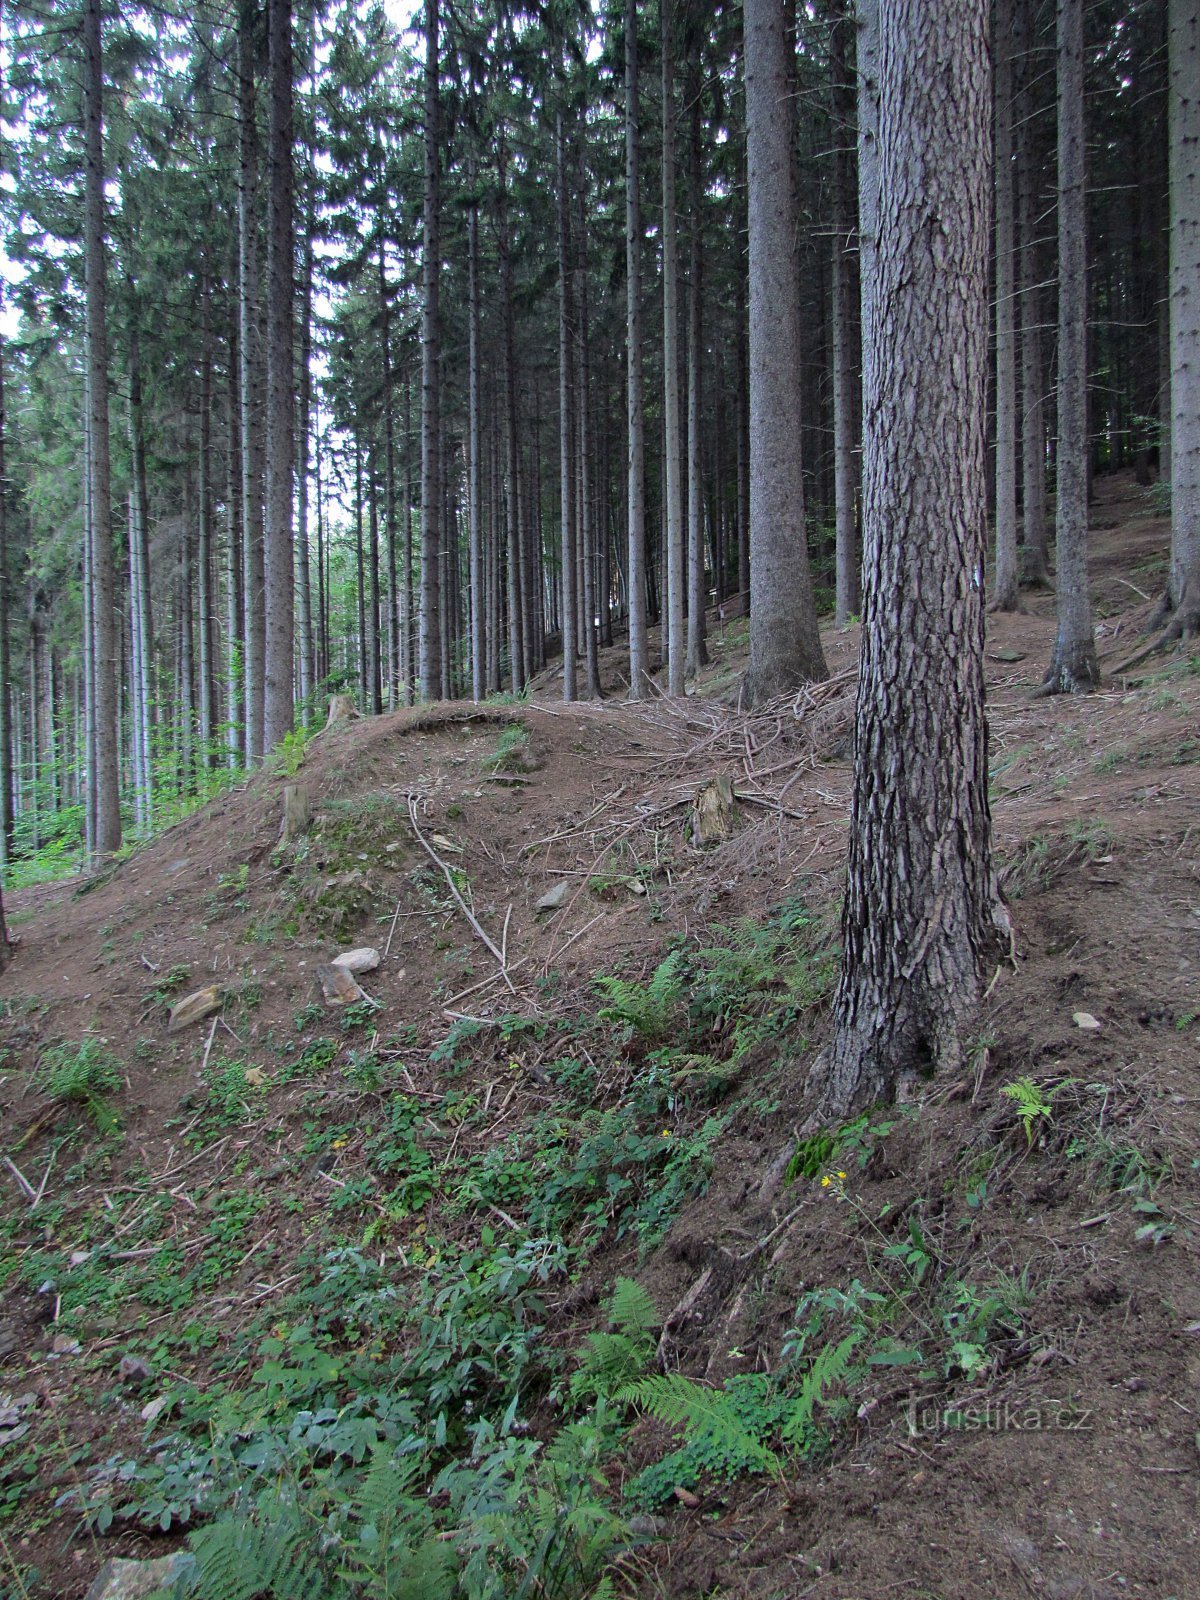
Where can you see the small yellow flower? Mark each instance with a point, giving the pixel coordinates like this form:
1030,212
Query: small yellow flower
826,1181
841,1174
666,1133
340,1144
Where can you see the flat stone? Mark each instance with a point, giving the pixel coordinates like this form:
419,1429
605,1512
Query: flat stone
194,1008
365,959
554,899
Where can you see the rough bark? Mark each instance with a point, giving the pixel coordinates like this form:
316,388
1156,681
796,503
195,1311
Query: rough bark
785,646
922,912
1005,594
635,581
1073,668
1183,113
431,350
105,773
6,702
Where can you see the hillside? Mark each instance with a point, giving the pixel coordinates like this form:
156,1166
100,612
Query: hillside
957,1344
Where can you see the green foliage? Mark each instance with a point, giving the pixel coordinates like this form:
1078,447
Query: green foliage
84,1074
1033,1104
648,1009
512,750
613,1359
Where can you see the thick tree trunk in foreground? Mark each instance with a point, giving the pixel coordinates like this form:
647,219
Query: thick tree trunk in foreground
1183,110
785,647
922,910
1073,669
104,775
639,664
431,351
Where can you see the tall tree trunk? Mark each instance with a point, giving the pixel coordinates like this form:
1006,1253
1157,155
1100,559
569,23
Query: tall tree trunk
474,465
365,691
635,581
1183,113
372,639
743,440
697,586
1073,669
205,590
234,664
1005,590
514,561
672,475
846,601
431,354
566,421
785,646
254,642
392,670
1035,554
105,775
306,643
279,554
7,811
922,911
589,520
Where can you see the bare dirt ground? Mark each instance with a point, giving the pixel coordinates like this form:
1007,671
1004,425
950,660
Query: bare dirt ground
1097,820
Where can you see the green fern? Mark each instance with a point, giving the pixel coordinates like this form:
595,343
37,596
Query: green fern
238,1558
84,1073
650,1009
613,1360
710,1417
828,1368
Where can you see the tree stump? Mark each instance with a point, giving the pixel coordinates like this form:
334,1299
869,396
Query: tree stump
297,813
341,709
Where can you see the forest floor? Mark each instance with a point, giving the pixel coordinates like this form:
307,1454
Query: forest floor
1018,1269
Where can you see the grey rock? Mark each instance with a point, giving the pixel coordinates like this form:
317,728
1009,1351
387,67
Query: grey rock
137,1580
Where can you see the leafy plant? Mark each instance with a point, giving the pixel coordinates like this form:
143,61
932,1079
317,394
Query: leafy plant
85,1074
649,1009
612,1359
1033,1104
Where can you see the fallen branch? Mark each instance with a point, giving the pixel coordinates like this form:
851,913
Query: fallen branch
497,953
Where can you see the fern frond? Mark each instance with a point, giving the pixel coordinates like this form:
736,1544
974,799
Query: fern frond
631,1309
682,1403
828,1368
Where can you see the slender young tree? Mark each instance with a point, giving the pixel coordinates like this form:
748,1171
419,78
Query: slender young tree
1073,668
105,773
1035,567
785,645
922,911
